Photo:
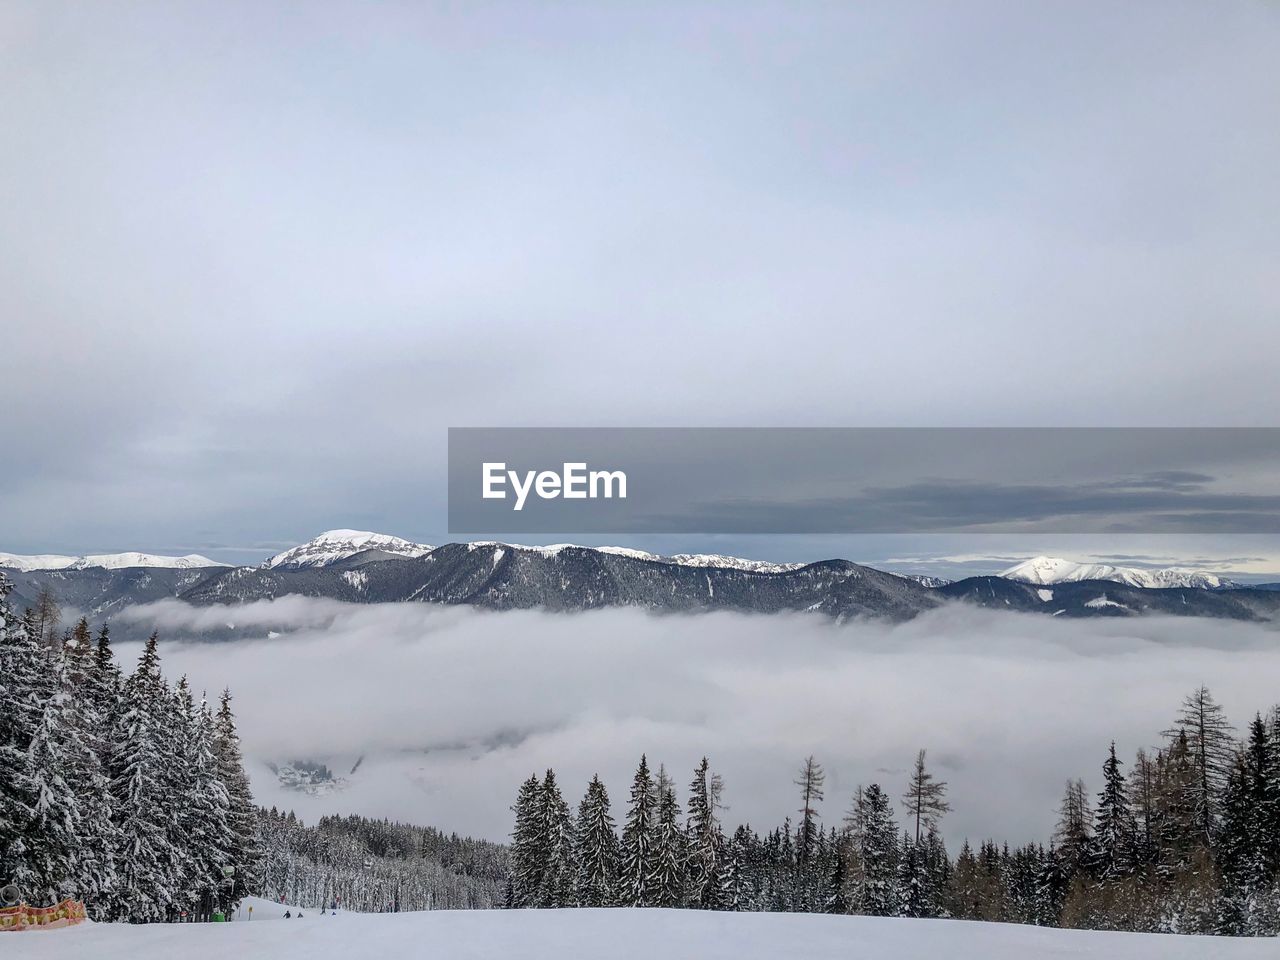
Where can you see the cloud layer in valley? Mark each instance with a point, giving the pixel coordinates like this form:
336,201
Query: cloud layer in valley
452,707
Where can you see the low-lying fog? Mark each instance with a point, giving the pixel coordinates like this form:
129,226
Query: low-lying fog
453,707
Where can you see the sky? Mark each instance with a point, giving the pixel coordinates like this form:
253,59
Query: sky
452,708
256,259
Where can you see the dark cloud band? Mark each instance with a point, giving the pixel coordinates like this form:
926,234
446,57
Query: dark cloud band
776,480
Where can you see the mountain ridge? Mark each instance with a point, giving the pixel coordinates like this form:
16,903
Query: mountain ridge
567,578
104,561
1046,571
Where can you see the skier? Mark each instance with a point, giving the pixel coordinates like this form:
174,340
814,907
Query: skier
288,915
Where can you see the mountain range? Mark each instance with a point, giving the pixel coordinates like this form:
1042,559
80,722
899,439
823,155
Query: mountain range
1050,570
363,567
103,561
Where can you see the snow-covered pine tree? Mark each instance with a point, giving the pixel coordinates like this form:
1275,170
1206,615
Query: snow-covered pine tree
50,868
86,750
138,782
528,845
104,680
706,842
935,875
1051,889
1112,852
597,854
1234,853
738,889
635,888
204,811
834,899
879,855
1244,854
243,855
556,886
172,720
21,664
668,879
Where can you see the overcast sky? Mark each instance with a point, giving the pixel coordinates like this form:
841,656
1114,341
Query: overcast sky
256,258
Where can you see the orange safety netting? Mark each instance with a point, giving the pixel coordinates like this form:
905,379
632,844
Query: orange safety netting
26,917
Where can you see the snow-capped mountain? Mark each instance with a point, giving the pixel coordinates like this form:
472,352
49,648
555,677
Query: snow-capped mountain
731,563
104,561
334,545
361,567
1047,570
714,560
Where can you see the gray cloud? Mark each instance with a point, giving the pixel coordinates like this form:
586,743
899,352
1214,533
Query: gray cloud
959,506
453,707
252,264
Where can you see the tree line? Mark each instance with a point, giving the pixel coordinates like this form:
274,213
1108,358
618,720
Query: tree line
124,792
376,866
1186,841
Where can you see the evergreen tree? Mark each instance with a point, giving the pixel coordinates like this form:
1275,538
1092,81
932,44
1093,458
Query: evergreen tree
668,881
705,842
597,854
87,749
1051,889
878,851
835,897
528,845
935,877
1113,847
243,853
205,813
556,886
1235,853
22,663
635,888
50,867
138,796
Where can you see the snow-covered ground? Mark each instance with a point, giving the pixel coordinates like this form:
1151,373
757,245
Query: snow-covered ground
606,935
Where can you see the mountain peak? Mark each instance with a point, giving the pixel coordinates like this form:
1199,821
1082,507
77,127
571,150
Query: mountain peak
334,545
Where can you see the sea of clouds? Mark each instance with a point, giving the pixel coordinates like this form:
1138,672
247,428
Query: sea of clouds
452,707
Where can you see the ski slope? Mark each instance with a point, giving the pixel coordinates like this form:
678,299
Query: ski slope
606,935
